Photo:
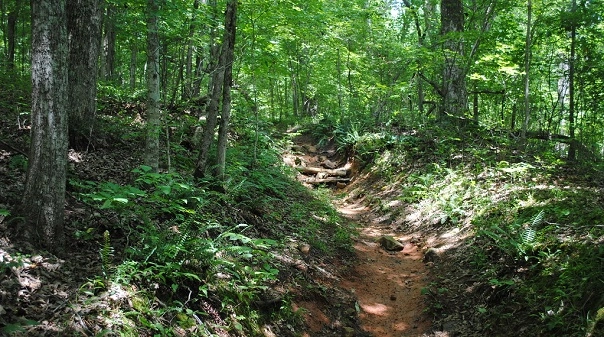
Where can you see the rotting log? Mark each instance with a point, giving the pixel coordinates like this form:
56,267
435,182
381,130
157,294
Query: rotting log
341,172
311,180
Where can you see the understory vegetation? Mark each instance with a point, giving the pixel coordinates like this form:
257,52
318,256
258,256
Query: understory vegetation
171,256
517,235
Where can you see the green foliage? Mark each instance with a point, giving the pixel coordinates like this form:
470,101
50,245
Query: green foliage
185,240
12,328
518,240
106,253
18,162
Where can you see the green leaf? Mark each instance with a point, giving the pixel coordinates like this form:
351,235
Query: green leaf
10,328
165,189
106,204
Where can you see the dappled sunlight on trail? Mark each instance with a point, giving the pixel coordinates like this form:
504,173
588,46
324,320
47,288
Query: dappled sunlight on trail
387,284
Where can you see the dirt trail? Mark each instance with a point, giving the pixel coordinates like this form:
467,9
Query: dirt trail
387,284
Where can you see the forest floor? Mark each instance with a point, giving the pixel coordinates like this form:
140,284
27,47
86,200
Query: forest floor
412,271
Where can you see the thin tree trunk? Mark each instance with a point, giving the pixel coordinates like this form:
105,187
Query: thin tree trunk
108,45
455,100
230,28
11,30
84,39
44,196
216,83
339,71
153,87
199,74
527,70
572,149
188,82
133,61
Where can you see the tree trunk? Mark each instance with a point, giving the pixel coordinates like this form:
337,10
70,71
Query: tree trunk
44,196
455,97
11,34
153,84
527,70
230,29
133,61
84,39
212,109
108,55
572,150
188,82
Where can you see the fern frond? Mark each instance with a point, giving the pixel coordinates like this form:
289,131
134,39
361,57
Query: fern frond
528,236
106,253
538,219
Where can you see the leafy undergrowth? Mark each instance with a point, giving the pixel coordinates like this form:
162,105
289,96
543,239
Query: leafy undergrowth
158,254
515,239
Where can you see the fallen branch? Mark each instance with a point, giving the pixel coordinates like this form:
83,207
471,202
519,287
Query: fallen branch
316,181
315,170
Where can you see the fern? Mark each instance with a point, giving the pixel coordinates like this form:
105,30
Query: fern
529,234
538,219
106,253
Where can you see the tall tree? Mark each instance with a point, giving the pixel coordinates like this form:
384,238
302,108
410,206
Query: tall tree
455,97
84,29
153,87
188,82
216,83
108,42
44,197
11,33
527,68
572,150
230,28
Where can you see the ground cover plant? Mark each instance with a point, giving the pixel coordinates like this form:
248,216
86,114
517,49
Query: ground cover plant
515,241
172,256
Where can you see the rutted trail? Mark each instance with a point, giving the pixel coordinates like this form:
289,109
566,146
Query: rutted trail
387,284
388,275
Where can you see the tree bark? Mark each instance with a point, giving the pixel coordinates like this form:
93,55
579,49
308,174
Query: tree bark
187,92
153,85
455,97
133,62
44,196
572,150
230,30
11,34
212,115
527,70
84,29
108,45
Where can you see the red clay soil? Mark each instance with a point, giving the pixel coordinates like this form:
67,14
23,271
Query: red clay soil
387,284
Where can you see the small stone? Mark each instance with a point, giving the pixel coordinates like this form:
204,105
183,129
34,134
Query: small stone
304,248
389,243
